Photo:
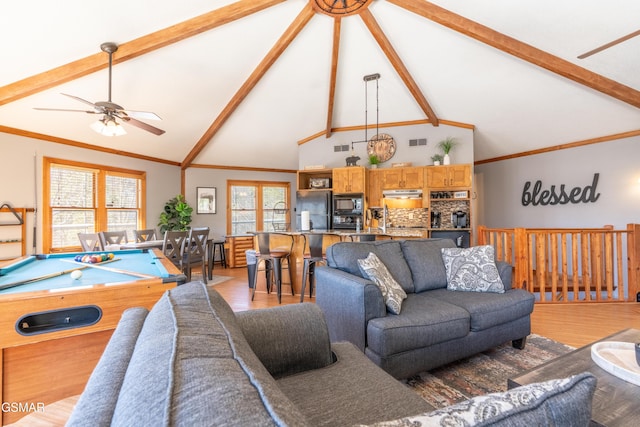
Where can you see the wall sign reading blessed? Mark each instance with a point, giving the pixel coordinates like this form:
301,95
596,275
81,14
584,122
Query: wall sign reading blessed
559,195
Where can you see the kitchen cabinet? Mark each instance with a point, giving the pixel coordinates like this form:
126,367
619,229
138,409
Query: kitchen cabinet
374,188
350,179
449,176
308,178
399,178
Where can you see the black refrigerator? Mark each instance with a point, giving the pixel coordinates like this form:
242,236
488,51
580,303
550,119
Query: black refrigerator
318,204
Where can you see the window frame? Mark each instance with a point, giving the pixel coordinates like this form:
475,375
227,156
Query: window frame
259,205
100,206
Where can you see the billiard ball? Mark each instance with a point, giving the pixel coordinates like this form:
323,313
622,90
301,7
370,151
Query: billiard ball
76,274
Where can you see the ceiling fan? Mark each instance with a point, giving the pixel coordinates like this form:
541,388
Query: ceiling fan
108,125
610,44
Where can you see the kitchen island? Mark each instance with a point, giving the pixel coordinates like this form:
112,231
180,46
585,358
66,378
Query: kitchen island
284,239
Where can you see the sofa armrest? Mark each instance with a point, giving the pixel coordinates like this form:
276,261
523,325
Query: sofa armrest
348,303
97,403
288,339
506,273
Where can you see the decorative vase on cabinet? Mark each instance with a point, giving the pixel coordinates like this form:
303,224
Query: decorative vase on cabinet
446,160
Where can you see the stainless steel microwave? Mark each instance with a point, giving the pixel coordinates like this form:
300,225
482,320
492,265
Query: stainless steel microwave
348,204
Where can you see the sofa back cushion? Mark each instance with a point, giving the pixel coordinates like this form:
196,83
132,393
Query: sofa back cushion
192,366
345,255
424,259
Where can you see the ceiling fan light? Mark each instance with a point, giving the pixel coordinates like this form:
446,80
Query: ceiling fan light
108,126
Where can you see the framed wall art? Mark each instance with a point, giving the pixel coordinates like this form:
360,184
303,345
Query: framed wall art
206,197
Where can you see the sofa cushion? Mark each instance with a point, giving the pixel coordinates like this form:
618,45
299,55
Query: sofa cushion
488,309
424,258
472,269
345,255
424,322
392,292
353,390
192,366
561,402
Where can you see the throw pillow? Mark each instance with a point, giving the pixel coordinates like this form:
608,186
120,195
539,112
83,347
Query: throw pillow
560,402
378,273
472,269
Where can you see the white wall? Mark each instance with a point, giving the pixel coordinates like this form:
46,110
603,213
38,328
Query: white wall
203,177
320,151
18,178
500,185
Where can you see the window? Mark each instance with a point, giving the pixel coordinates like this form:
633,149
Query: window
255,206
85,198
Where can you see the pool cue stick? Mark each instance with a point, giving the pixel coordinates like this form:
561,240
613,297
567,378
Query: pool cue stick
43,277
113,270
35,203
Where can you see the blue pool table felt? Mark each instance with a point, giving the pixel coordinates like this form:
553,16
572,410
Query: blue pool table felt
137,261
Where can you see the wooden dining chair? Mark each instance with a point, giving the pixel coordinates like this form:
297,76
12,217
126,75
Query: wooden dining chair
195,252
145,235
113,238
173,246
90,242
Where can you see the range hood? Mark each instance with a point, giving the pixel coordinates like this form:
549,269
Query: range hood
402,194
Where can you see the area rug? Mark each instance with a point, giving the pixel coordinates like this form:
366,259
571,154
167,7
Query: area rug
483,373
215,280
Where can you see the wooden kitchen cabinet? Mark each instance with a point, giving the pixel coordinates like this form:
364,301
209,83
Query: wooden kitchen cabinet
449,176
399,178
351,179
374,188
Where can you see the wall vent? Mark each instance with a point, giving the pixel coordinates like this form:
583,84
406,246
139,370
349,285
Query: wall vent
417,142
422,141
338,148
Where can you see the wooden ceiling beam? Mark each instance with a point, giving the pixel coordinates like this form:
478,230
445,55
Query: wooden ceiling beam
140,46
521,50
337,24
283,42
397,63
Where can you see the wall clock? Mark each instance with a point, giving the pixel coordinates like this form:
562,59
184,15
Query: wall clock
339,7
383,145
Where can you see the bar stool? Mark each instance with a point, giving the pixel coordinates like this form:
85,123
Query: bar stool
273,259
213,245
314,243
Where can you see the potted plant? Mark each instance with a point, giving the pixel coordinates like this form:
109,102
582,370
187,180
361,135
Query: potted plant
437,159
446,145
176,215
374,160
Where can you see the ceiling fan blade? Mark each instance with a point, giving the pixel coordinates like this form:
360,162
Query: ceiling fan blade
77,98
66,109
146,115
610,44
137,123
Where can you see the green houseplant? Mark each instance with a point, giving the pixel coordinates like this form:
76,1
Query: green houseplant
446,145
176,215
374,160
436,159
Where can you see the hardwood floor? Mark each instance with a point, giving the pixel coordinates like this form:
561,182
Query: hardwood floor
575,325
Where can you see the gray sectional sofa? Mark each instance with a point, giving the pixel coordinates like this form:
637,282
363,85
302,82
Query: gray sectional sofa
191,361
435,326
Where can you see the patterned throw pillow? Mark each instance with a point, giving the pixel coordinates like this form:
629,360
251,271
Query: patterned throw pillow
392,292
567,400
472,269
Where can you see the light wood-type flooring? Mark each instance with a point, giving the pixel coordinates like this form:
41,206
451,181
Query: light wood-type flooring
572,324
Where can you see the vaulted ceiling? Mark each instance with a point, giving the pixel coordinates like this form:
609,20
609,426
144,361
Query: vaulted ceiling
243,83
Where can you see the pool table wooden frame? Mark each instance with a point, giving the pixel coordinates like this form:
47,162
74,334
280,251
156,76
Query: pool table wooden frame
47,367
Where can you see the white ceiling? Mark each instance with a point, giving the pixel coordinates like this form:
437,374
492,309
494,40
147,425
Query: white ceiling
515,106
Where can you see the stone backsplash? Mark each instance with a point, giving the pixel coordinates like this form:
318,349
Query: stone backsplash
408,217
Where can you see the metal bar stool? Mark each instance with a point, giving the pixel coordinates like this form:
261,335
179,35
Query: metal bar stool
314,243
217,244
273,259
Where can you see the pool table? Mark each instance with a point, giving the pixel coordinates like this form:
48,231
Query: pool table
53,330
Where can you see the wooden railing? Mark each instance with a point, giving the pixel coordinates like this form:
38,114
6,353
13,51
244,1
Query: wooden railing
570,265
